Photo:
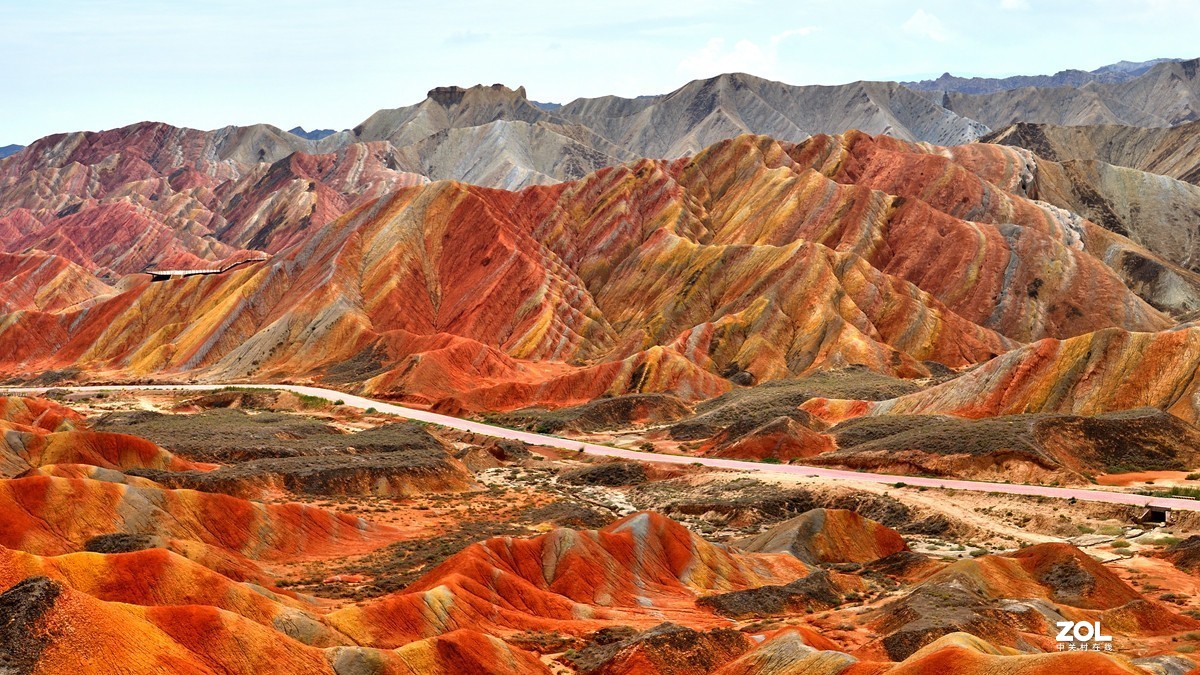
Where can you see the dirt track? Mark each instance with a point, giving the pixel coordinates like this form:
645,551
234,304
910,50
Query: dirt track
605,451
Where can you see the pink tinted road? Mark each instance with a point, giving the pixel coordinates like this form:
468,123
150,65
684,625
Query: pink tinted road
531,438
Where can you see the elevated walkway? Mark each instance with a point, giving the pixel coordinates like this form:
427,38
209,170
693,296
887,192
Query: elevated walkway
166,275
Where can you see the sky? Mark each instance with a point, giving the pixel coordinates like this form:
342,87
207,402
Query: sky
68,65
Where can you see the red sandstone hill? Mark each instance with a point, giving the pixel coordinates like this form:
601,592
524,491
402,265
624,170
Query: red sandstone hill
52,628
150,194
753,260
1014,599
636,571
40,433
159,578
39,281
829,536
104,450
1108,370
52,516
38,413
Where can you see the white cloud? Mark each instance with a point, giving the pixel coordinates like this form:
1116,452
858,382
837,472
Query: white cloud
1012,5
743,56
922,24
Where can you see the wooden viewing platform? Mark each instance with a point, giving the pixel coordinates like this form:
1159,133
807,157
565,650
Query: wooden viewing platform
165,275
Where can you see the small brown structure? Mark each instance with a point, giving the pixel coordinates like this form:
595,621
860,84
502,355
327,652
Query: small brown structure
1155,515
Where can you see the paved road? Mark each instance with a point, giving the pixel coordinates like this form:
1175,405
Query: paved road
362,403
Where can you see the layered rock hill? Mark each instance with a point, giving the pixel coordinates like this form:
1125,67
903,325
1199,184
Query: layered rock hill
1157,212
52,625
829,536
468,612
753,260
53,516
706,111
37,433
38,414
41,281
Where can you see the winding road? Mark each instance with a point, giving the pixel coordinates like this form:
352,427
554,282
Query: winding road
1081,494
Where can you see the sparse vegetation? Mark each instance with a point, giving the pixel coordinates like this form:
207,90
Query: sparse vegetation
1165,540
602,414
308,401
1122,442
229,435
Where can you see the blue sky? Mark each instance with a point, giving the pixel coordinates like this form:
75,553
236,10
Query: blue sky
70,65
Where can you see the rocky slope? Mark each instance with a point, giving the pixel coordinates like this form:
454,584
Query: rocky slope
706,111
829,536
1158,212
45,282
1169,151
1138,182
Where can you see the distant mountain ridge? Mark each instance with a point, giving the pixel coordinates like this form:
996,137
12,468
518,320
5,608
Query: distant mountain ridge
7,150
314,135
1110,74
1166,95
495,136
